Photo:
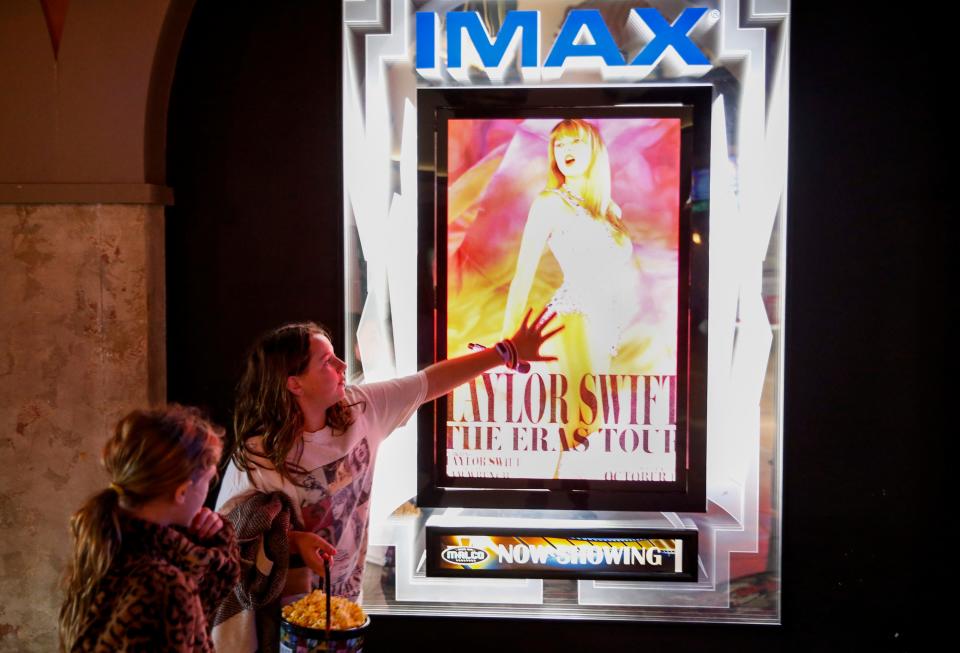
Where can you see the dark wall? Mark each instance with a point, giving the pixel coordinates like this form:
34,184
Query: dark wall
255,240
255,236
865,327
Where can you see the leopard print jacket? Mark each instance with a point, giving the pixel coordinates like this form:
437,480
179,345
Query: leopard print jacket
161,591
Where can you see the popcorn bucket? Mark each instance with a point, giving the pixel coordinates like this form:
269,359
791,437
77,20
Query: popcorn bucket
297,639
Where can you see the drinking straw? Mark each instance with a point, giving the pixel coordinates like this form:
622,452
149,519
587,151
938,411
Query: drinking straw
326,585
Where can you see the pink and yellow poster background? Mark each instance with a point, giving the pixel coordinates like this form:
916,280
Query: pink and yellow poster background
496,169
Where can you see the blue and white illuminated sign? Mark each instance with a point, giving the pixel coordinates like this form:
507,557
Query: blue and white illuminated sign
393,51
584,41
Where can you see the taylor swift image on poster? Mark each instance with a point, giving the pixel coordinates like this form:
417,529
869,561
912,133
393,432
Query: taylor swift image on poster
581,215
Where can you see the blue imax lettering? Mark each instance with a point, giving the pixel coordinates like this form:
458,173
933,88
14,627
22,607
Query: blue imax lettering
584,41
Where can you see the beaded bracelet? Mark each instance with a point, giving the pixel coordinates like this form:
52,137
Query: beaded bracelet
508,352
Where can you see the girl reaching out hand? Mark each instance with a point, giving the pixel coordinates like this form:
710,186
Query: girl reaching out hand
303,431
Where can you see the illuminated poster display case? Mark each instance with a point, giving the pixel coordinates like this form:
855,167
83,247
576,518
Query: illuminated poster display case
621,430
625,165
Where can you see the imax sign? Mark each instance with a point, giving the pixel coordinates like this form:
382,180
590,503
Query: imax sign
584,41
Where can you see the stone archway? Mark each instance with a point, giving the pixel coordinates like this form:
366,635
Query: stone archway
82,196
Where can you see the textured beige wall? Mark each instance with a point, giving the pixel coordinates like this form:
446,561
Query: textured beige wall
81,342
82,161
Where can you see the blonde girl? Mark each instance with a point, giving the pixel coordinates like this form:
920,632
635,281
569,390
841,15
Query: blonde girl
149,563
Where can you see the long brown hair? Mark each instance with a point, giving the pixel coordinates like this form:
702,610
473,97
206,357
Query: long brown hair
597,199
151,453
266,408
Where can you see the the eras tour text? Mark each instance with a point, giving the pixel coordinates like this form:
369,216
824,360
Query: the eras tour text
626,413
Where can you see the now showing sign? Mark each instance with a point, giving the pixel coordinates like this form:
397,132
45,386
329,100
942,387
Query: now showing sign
626,554
584,41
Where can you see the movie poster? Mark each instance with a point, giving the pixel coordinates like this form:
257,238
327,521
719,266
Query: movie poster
581,215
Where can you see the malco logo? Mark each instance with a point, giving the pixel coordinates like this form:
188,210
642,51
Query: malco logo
464,555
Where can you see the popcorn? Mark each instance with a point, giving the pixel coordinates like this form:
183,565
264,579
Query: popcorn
311,612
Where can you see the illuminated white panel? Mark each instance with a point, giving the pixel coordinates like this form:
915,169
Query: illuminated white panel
747,195
772,9
396,481
374,342
722,487
363,12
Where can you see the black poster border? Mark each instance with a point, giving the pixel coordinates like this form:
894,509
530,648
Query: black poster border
693,104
